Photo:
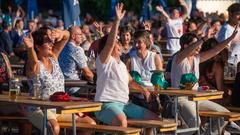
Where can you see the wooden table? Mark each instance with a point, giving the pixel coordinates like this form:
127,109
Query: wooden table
193,95
62,107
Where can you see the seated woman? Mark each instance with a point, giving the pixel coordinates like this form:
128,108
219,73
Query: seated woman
211,71
143,61
113,80
187,60
126,37
44,47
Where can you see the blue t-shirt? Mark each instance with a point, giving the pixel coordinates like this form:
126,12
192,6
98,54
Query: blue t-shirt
72,59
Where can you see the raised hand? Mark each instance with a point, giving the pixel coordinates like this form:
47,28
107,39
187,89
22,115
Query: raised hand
28,41
182,2
159,8
147,25
119,11
211,32
57,34
97,26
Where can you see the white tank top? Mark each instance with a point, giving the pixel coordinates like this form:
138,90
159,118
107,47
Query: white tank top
144,67
112,81
182,68
174,32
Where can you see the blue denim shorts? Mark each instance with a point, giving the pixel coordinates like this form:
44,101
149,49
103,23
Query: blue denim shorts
112,109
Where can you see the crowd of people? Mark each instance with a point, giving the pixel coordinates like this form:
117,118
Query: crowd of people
207,46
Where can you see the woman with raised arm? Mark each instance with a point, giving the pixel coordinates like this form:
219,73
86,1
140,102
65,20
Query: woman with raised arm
113,81
187,60
44,47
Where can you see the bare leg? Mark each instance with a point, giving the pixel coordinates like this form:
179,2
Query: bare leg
88,120
55,126
120,120
150,116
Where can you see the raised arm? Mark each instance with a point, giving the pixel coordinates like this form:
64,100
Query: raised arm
61,40
217,49
32,68
107,50
187,51
161,10
185,9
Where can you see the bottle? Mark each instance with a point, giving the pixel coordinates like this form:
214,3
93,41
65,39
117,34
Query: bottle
91,61
231,70
235,60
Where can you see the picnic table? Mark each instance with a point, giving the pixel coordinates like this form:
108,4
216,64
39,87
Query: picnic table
71,107
193,95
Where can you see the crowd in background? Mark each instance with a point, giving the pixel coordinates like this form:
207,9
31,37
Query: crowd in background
205,44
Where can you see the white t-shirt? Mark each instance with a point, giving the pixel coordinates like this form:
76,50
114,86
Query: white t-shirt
182,68
234,46
144,68
174,32
112,81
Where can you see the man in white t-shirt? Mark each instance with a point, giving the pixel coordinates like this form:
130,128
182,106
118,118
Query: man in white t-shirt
174,26
227,30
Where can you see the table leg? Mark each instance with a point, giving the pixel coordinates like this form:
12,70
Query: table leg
74,124
44,121
197,117
219,126
176,112
210,125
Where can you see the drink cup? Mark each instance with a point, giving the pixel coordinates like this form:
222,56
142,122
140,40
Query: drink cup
13,94
36,91
157,87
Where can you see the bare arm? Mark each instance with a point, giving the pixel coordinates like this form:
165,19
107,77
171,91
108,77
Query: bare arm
187,51
134,85
218,71
161,10
107,50
32,62
185,9
62,38
158,62
128,64
88,73
217,49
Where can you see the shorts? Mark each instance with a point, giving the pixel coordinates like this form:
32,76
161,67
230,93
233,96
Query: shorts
112,109
36,117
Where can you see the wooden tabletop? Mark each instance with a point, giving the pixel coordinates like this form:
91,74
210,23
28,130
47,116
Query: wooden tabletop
26,100
192,94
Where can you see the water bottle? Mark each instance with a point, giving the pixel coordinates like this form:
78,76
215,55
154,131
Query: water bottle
235,60
91,61
231,70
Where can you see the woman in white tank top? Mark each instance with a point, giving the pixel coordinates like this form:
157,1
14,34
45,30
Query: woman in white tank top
187,61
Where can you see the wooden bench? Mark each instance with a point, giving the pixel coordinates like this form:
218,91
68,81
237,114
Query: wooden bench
102,128
228,116
233,109
163,125
23,121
